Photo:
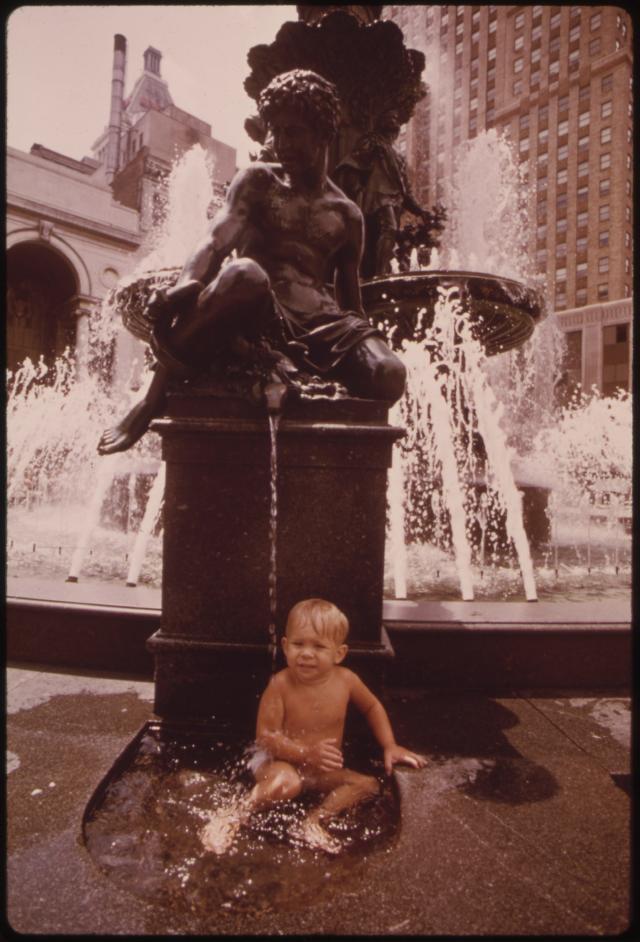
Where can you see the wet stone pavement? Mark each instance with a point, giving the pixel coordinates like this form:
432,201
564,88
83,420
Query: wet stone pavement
518,825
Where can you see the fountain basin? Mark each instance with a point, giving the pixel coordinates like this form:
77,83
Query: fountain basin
503,313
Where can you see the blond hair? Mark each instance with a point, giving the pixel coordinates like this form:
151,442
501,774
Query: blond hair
325,618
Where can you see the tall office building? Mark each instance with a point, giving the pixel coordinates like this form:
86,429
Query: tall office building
557,80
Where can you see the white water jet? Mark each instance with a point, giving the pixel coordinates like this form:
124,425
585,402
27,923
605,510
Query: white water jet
106,473
488,219
396,499
149,520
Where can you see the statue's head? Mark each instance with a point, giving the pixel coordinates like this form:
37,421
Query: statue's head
306,94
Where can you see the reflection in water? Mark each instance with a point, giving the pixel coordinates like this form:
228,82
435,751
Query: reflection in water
142,830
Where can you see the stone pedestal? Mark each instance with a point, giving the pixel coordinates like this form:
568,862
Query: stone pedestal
211,652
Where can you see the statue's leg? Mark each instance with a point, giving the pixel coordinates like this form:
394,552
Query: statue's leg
237,301
370,370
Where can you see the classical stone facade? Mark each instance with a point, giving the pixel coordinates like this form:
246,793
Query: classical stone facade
75,227
68,242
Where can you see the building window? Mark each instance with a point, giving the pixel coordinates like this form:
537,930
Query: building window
603,265
554,67
518,22
541,233
518,65
563,152
555,20
561,202
607,83
535,78
603,292
583,142
603,238
582,219
595,22
574,33
606,109
535,56
561,225
492,25
581,268
583,168
563,128
583,119
491,54
561,176
536,12
605,161
605,136
581,298
594,47
605,186
603,212
524,144
627,240
561,249
574,59
581,244
536,33
615,357
582,192
563,103
542,184
519,43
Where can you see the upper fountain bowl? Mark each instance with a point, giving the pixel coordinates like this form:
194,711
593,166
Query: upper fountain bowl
502,312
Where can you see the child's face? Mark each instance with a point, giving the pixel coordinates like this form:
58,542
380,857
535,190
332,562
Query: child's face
311,656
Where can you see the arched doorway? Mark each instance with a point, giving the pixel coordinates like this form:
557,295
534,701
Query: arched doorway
40,285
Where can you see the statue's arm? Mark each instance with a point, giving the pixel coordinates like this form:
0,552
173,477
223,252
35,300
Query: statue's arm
347,264
227,230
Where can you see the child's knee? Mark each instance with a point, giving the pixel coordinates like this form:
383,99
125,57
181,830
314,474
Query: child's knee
285,784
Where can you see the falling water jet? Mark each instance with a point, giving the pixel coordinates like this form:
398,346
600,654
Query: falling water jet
396,492
149,520
106,474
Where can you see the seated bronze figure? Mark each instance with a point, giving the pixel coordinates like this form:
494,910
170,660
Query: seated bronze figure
296,241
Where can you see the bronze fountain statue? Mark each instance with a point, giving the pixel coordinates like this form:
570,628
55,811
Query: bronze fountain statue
291,289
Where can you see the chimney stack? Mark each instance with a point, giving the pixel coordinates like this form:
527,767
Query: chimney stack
117,98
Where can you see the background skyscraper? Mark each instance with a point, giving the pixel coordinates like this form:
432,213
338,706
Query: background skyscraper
558,81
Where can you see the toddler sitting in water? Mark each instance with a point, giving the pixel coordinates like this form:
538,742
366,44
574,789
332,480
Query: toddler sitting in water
300,727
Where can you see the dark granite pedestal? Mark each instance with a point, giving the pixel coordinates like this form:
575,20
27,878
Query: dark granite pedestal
211,652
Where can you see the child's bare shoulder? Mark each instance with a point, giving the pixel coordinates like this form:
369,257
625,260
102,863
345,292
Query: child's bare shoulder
348,677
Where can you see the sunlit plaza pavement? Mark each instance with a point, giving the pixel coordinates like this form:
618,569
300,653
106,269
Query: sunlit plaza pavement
518,825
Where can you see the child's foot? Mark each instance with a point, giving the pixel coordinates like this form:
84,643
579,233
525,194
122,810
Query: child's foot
221,831
314,835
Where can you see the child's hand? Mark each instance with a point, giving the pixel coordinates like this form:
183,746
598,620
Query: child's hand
395,753
324,755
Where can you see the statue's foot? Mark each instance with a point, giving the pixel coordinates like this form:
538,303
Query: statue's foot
127,432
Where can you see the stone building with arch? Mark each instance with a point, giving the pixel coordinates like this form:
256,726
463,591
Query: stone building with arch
75,227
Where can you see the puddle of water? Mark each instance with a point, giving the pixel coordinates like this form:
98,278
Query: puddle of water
144,834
